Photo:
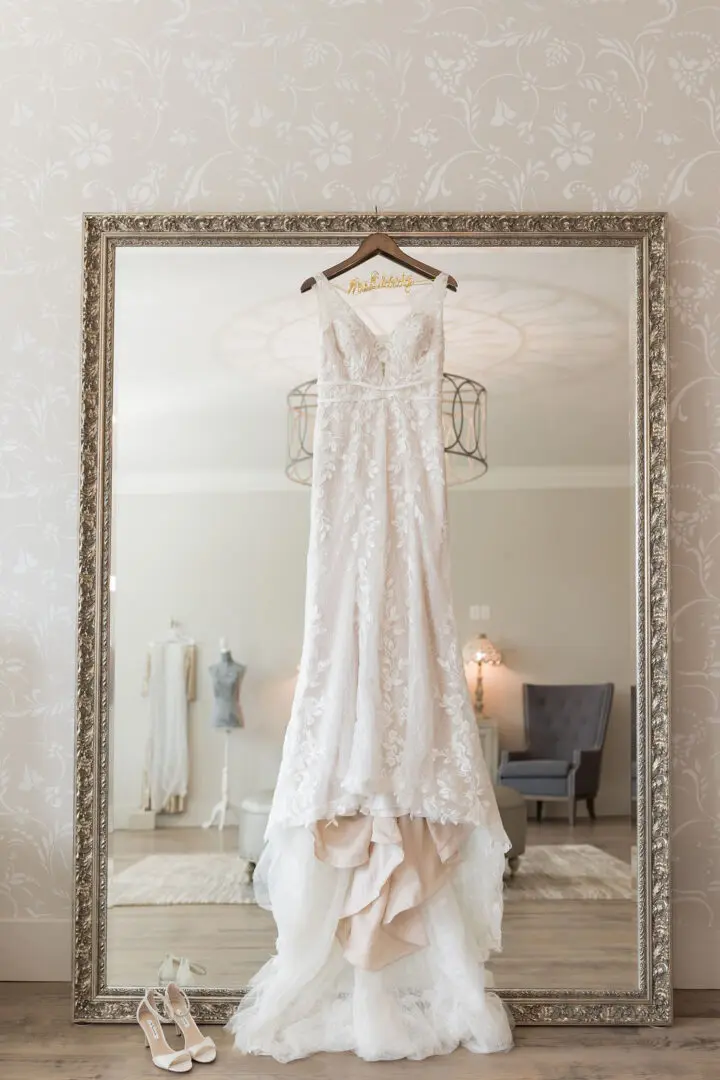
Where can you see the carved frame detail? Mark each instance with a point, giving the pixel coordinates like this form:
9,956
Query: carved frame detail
651,1003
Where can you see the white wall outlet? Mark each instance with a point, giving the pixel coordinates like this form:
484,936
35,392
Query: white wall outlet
474,612
485,613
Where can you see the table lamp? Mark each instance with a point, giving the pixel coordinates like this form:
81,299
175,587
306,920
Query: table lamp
481,651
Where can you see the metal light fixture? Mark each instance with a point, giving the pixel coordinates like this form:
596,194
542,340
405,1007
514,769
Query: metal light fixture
481,651
464,411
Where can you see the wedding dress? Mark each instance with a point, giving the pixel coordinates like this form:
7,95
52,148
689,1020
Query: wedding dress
385,849
170,685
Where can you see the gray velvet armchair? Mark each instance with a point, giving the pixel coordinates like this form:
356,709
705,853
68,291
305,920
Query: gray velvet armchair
565,729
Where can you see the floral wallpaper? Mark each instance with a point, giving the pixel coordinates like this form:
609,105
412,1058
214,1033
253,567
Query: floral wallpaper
339,105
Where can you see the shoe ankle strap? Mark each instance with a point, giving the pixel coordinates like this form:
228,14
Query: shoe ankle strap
183,1009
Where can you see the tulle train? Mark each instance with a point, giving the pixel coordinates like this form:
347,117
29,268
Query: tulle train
308,998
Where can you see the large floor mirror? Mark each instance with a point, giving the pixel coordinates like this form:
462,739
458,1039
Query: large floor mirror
199,399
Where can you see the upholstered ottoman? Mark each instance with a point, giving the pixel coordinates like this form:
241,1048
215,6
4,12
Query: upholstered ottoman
513,811
254,813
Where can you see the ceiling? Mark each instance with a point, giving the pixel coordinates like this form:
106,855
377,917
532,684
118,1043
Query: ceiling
208,342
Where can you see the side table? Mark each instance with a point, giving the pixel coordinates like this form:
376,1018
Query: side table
490,742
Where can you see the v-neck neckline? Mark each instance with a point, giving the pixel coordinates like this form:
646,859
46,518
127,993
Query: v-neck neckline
413,308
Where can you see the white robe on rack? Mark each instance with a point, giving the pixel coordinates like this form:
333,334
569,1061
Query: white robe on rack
169,682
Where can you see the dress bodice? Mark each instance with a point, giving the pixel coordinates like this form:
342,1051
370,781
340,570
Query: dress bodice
408,358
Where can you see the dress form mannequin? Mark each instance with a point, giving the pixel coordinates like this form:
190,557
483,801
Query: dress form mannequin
227,676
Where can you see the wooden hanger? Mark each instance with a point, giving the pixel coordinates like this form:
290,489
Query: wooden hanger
380,244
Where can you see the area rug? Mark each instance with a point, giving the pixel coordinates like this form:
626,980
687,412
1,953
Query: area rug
204,878
570,872
546,872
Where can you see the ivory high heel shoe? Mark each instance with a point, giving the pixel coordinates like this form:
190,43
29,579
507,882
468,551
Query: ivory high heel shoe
148,1017
177,1008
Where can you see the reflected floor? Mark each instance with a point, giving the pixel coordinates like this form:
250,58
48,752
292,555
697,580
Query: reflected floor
549,943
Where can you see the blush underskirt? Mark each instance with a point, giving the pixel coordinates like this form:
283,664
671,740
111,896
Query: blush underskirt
396,865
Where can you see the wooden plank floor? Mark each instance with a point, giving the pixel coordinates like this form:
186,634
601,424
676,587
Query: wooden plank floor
39,1042
553,944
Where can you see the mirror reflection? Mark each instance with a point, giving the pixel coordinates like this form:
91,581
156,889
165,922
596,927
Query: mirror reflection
214,406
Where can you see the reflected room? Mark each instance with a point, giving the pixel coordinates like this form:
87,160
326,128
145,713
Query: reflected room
215,357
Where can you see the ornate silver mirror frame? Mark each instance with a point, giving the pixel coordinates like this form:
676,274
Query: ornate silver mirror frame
651,1003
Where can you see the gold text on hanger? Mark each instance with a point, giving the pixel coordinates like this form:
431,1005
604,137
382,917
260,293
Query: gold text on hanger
380,244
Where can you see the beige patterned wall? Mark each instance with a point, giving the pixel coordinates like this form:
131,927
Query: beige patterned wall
344,105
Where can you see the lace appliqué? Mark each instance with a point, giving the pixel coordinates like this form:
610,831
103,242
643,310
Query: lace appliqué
382,721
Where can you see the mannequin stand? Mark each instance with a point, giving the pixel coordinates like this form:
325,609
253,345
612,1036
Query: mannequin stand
220,810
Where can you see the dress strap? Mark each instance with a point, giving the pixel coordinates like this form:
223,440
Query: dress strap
324,291
439,286
432,296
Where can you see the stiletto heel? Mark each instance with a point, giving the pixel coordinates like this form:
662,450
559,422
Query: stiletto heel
163,1056
177,1008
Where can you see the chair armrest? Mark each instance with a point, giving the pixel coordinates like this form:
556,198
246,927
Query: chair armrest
515,755
586,767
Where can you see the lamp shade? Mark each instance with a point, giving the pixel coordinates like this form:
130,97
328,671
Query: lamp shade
482,651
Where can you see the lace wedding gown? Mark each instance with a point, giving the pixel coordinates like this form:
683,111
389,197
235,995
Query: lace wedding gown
385,850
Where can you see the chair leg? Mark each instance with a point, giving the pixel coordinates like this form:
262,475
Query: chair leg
590,802
538,810
572,806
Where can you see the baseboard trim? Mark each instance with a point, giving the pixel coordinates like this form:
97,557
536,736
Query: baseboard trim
35,950
696,1003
